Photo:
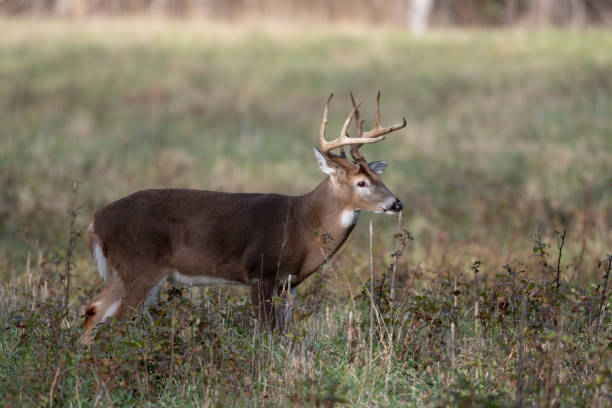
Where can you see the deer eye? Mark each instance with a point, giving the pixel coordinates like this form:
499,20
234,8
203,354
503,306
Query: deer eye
361,183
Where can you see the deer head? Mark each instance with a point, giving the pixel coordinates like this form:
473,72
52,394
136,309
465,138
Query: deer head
357,183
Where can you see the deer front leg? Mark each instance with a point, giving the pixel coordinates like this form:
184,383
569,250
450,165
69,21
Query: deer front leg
262,299
284,309
272,303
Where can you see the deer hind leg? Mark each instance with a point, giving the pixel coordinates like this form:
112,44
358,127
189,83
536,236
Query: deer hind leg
143,289
122,298
106,304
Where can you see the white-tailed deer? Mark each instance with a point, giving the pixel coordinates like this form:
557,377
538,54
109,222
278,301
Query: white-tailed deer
265,241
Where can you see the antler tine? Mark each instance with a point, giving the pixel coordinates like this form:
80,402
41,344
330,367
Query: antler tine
379,131
376,134
324,143
377,114
343,139
322,140
358,121
359,128
343,133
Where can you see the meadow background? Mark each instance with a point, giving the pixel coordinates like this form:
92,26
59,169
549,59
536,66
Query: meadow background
508,146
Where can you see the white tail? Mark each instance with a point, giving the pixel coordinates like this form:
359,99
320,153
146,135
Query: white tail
264,241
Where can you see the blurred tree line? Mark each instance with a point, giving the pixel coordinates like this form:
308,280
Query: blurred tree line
414,14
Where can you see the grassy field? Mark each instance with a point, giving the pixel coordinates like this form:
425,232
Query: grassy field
508,144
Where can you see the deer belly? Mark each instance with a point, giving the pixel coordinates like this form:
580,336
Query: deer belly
199,280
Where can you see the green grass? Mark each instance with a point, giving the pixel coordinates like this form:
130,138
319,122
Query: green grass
509,136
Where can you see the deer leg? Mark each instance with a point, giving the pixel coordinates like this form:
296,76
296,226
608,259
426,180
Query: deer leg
284,310
269,312
106,304
262,299
143,290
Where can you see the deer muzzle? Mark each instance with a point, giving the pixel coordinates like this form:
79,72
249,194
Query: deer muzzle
397,206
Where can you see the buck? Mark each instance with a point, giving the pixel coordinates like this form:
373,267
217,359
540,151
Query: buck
268,242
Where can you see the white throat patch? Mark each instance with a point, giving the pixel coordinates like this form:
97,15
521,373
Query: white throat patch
349,218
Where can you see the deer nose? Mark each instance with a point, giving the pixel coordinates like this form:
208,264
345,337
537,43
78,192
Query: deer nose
397,206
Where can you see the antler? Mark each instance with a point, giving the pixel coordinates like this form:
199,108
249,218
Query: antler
376,134
344,139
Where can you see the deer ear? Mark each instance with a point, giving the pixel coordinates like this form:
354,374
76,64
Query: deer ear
378,167
325,165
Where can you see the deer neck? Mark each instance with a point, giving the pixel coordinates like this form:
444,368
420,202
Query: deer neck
327,216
